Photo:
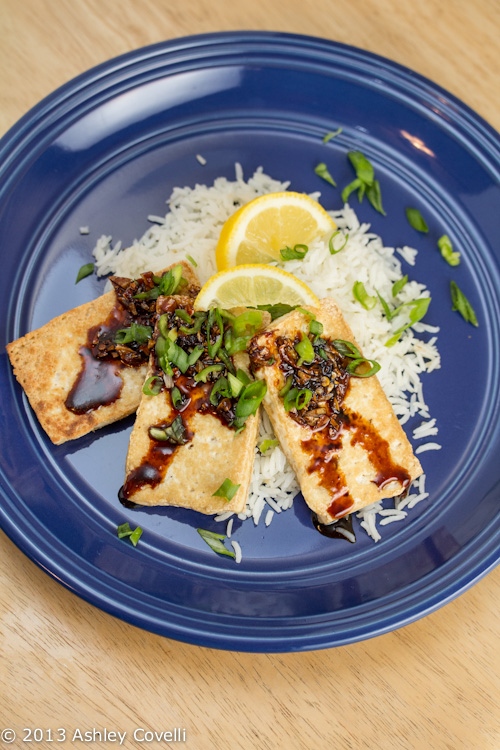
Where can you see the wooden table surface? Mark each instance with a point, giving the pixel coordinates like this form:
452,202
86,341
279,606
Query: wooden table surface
63,663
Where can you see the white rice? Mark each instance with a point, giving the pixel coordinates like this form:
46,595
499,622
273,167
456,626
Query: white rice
191,227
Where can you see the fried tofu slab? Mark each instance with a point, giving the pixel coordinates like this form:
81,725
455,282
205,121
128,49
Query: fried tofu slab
203,447
72,391
338,431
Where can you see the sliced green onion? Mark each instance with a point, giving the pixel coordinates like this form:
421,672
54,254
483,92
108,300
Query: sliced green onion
215,542
315,327
227,490
462,304
173,433
84,271
163,325
247,323
287,386
446,248
206,372
134,333
346,348
353,367
195,355
322,171
152,386
214,316
305,349
176,280
220,387
224,357
176,397
363,168
331,134
192,260
419,308
235,385
416,220
398,285
350,188
243,376
333,250
289,402
249,401
303,398
177,356
136,535
297,252
374,195
389,314
362,296
266,444
227,315
200,319
234,345
124,531
277,310
183,315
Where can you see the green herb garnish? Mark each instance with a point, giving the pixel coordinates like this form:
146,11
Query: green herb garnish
452,257
462,304
249,401
358,367
322,171
305,349
297,252
173,433
215,542
331,134
365,182
152,386
192,260
266,444
135,333
332,249
419,308
227,490
362,296
84,271
203,374
416,220
398,285
124,531
276,311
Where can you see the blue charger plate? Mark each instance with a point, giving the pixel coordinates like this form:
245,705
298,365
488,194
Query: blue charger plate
105,151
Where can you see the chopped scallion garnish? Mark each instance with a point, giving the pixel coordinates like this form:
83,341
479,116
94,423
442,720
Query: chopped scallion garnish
124,531
297,252
462,304
215,542
362,296
227,490
331,244
358,367
331,134
267,444
192,260
418,310
176,397
398,285
249,401
203,374
173,433
152,386
322,171
305,349
452,257
416,220
135,333
84,271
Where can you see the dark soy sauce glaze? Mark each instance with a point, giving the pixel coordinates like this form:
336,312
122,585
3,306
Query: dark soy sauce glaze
99,383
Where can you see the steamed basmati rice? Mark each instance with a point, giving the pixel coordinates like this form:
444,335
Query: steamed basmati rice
190,230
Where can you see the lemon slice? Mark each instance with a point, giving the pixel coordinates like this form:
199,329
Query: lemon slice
260,229
251,285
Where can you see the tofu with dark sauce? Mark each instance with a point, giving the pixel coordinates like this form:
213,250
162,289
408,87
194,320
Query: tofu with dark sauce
338,430
187,439
78,372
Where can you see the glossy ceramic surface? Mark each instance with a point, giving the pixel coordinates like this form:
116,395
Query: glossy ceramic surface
104,151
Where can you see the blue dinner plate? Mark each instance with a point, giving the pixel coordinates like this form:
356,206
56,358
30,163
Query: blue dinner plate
105,151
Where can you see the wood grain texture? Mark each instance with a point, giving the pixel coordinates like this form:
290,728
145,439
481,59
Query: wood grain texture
63,663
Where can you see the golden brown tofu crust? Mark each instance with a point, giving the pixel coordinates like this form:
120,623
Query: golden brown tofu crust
354,450
198,468
46,363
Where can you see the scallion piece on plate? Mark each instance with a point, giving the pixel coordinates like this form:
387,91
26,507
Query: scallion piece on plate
331,242
462,304
267,444
398,285
416,220
84,271
446,248
215,542
297,252
331,134
152,386
322,171
124,531
305,349
358,367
